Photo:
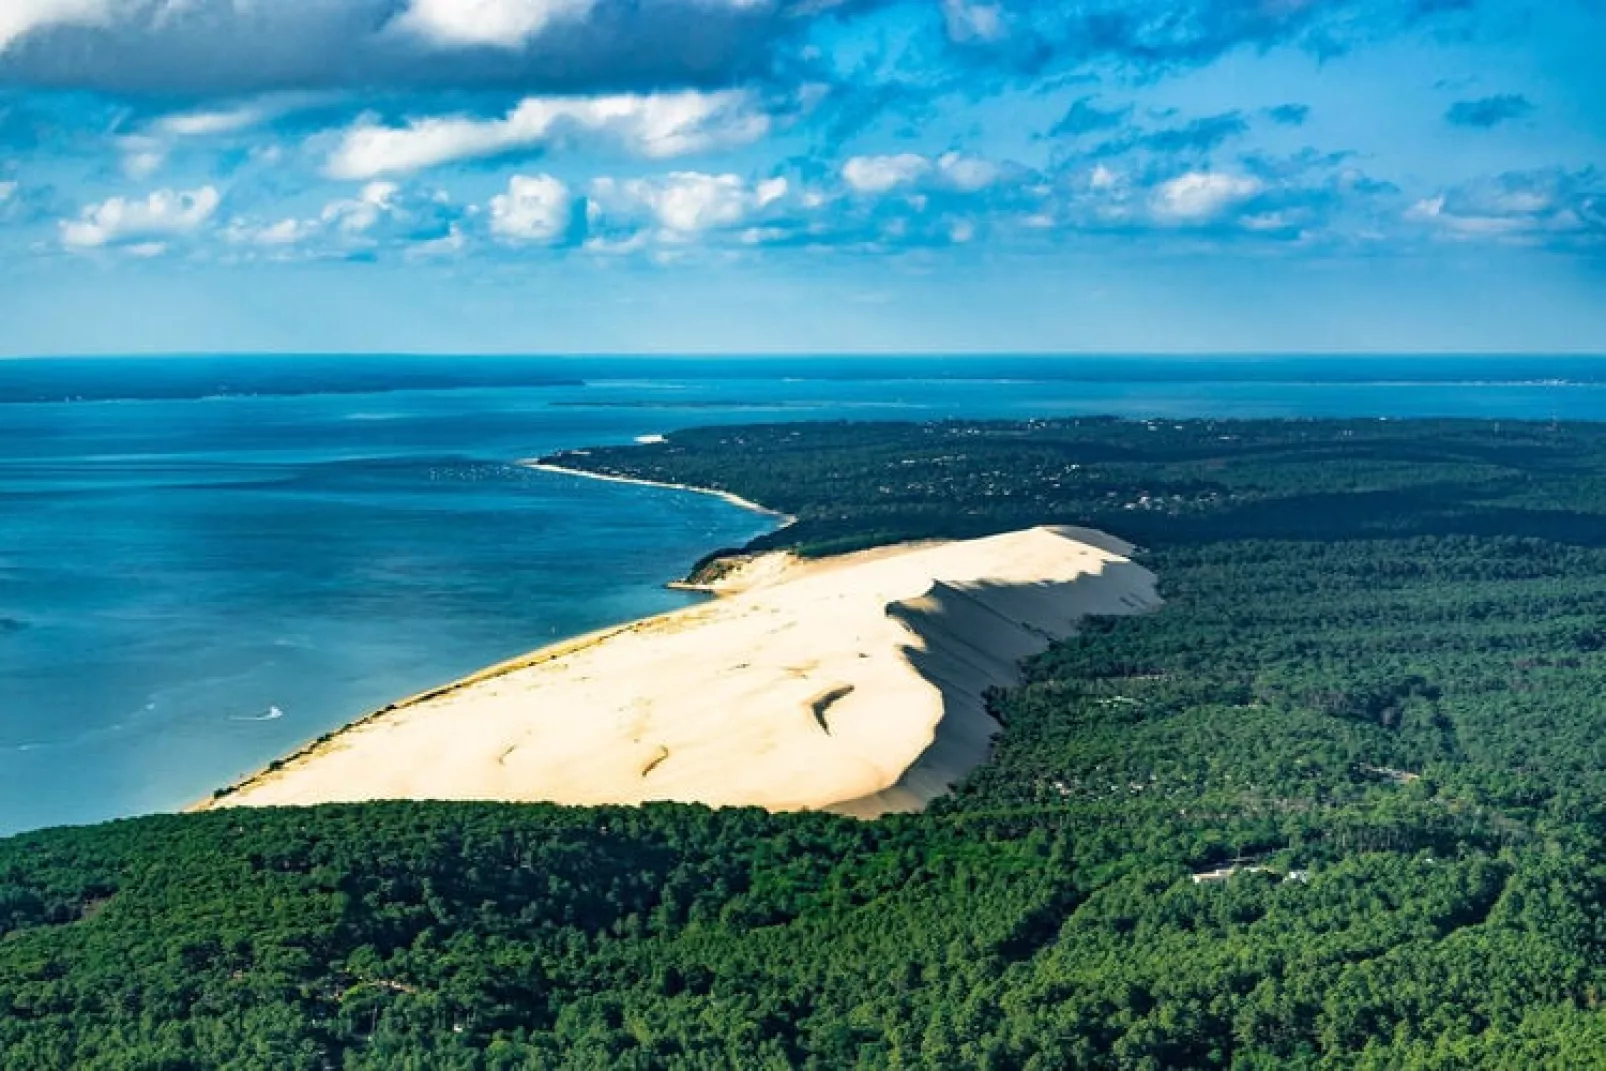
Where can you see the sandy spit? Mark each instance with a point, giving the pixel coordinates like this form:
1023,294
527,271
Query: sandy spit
735,500
853,683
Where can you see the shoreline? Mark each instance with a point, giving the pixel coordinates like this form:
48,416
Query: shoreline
527,660
786,519
311,748
522,661
854,684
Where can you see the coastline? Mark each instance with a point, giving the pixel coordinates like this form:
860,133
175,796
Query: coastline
786,519
521,661
312,747
854,684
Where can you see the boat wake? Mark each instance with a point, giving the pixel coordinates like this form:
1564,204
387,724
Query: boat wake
273,714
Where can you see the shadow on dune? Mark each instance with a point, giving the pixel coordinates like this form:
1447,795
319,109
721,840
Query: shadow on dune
973,638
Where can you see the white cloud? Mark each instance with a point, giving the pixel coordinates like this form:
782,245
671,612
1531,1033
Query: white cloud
966,173
1267,221
119,220
143,164
146,152
490,23
535,208
142,156
359,214
878,174
652,125
286,232
230,119
762,235
684,203
21,17
1521,202
1471,224
208,124
7,191
1201,195
1425,210
1528,207
769,191
380,215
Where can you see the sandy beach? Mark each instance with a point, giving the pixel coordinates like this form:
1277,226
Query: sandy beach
853,683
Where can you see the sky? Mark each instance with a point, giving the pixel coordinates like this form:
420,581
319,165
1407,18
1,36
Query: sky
757,176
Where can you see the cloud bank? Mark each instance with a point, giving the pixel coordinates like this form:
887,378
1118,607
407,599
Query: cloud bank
224,47
231,47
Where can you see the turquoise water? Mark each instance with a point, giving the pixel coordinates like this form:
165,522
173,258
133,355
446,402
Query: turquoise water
201,569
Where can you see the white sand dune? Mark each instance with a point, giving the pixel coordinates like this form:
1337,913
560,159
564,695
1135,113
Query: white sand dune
852,683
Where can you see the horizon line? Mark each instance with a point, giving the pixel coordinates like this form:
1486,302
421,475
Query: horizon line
798,354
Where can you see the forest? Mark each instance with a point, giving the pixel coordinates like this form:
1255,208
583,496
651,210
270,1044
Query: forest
1341,803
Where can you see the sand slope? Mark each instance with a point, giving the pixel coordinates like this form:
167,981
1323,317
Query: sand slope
853,683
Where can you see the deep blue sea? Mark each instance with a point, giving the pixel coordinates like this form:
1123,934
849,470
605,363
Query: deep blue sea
205,562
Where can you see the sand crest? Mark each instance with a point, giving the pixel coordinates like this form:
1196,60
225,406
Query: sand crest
853,683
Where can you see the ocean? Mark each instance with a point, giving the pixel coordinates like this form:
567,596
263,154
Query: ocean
205,562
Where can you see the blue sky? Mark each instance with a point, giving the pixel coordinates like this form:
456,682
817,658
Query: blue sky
802,175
